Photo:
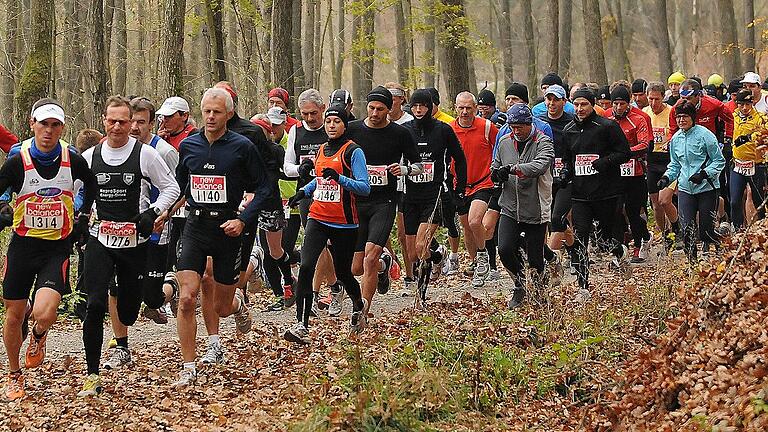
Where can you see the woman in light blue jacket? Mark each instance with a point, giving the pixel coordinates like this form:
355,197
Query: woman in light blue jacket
695,163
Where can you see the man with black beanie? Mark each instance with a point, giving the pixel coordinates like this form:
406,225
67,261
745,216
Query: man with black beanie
640,99
486,104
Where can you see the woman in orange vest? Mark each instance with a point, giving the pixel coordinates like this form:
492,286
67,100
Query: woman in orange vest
341,174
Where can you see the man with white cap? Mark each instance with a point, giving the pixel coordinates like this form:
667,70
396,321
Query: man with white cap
173,120
42,175
753,83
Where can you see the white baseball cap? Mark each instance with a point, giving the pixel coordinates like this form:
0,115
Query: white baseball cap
48,111
172,105
276,115
751,78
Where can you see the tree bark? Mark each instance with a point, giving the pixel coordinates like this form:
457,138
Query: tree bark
362,53
11,59
566,17
505,41
663,47
554,29
612,25
213,15
404,39
308,42
299,81
530,48
36,73
428,56
341,39
594,41
120,49
749,35
455,62
172,39
141,48
729,38
72,96
282,47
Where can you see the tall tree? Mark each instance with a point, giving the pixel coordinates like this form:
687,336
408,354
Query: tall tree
594,41
72,97
530,49
36,73
172,38
403,45
453,41
729,38
282,47
363,44
120,43
553,17
213,16
663,46
505,41
338,68
11,59
299,81
428,55
308,42
749,35
566,19
612,26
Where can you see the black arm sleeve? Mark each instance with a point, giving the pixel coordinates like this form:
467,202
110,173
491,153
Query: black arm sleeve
618,145
408,146
261,188
459,159
82,172
12,174
182,174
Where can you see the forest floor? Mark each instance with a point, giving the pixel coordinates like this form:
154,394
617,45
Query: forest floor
465,363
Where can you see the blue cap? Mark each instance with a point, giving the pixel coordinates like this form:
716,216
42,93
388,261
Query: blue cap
556,91
519,114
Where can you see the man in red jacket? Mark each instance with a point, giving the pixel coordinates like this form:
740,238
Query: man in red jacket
7,139
707,110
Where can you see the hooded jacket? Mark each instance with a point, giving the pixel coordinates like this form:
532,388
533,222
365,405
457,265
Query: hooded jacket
689,152
526,199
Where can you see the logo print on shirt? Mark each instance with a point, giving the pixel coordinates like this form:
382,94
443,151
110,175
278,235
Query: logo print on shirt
34,181
128,178
48,192
103,178
209,166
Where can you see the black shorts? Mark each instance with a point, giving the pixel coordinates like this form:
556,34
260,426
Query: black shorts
203,238
561,206
32,262
483,195
417,213
376,220
247,241
493,203
654,175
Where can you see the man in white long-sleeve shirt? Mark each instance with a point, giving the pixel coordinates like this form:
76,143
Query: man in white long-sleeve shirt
125,170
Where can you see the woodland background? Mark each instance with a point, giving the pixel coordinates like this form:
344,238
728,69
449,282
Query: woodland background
83,51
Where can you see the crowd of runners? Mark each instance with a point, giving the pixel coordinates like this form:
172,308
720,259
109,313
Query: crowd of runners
169,216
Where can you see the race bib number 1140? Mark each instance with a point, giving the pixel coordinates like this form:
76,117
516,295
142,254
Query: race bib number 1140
208,189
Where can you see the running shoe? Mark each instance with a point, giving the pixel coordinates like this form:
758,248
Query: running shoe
493,275
359,319
243,315
14,388
315,311
257,261
452,266
394,270
297,334
91,386
636,258
170,279
187,377
383,285
645,248
478,279
482,265
337,300
437,268
35,350
277,306
120,357
517,298
409,284
555,268
622,262
470,270
156,315
214,355
288,298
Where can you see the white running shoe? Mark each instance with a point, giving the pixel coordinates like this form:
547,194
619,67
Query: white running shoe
297,334
120,357
214,355
337,302
187,377
437,268
359,319
452,266
243,315
482,267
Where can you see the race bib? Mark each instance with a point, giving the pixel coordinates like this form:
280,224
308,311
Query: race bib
117,235
427,175
180,212
583,164
39,215
377,175
208,189
327,191
558,167
745,168
286,209
659,135
628,169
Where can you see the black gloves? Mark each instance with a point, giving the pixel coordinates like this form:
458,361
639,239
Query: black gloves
79,233
601,165
305,169
330,174
146,222
6,215
500,175
741,140
698,177
565,175
294,200
663,182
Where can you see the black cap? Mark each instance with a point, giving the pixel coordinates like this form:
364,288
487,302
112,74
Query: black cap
422,97
743,95
486,97
381,94
639,86
340,96
734,86
710,90
338,110
552,78
604,93
620,93
586,93
435,95
519,90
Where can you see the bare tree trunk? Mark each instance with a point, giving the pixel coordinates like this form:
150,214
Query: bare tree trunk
749,35
308,43
362,55
339,59
299,81
404,39
594,41
11,60
172,48
566,17
282,47
120,40
530,49
72,97
472,81
317,54
213,16
554,29
455,61
612,25
663,47
505,41
429,51
36,73
729,38
141,48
